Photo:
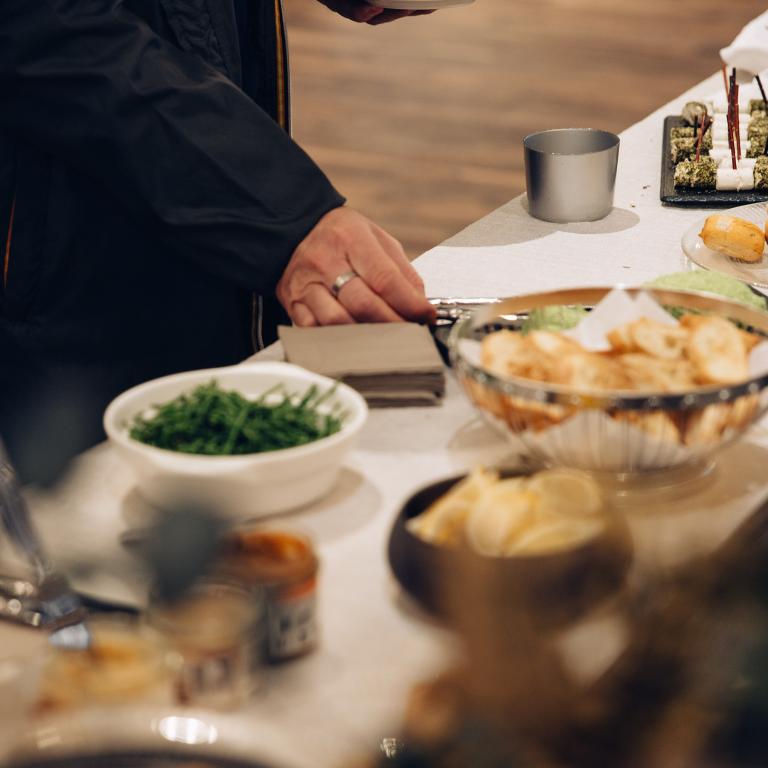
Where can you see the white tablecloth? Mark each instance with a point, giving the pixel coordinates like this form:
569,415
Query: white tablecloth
509,252
349,694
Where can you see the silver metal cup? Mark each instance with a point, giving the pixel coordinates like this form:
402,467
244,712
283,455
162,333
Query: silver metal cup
571,173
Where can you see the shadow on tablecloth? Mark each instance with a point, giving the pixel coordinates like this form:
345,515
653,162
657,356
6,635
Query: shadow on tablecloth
513,224
352,503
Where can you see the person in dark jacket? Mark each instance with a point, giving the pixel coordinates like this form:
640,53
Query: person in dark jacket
155,215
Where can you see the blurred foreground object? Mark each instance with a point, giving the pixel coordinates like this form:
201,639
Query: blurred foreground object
48,602
44,414
179,548
282,567
216,629
555,581
691,688
125,663
152,737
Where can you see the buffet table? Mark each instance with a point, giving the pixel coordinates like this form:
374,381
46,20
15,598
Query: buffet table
342,700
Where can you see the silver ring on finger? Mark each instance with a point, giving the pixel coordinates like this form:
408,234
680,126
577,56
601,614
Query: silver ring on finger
341,281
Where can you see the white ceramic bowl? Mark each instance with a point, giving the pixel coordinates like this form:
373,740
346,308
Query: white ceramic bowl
238,486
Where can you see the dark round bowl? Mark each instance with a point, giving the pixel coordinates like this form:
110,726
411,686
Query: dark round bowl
554,589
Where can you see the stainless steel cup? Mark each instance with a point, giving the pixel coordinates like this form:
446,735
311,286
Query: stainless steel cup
571,173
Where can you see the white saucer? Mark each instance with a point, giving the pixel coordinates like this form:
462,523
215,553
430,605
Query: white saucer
418,5
755,274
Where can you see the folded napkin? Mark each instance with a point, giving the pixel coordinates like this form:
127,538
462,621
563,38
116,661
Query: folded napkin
392,364
749,51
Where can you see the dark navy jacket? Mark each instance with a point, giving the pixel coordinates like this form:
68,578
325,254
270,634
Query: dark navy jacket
146,201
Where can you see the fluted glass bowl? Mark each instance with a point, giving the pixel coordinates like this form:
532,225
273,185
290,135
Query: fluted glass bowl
604,431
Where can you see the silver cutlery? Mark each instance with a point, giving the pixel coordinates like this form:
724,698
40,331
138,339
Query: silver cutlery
48,601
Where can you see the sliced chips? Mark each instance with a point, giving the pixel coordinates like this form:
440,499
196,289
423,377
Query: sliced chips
645,356
651,337
498,518
716,349
566,493
444,521
548,512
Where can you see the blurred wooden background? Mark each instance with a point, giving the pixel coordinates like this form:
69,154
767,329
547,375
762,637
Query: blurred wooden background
419,122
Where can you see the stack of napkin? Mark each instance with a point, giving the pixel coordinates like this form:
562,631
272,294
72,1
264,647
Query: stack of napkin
393,364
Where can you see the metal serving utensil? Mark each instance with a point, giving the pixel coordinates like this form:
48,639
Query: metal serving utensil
451,309
49,602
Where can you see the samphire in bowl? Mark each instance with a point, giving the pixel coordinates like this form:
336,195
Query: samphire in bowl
597,430
244,486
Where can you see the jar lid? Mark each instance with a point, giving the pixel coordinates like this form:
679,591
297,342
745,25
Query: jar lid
269,557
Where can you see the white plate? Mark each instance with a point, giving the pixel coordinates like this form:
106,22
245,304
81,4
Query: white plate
418,5
755,274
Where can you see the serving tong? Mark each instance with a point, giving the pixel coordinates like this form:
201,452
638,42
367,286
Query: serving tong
47,602
450,310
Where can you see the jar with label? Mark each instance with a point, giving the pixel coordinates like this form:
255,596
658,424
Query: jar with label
217,630
285,566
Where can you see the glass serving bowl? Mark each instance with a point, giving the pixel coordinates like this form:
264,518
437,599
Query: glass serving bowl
610,432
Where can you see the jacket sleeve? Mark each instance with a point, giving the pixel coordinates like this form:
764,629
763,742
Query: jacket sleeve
172,139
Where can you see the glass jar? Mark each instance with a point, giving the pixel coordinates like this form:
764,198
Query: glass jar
217,631
283,567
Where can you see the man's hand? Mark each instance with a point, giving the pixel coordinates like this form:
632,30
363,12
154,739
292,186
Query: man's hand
386,287
360,11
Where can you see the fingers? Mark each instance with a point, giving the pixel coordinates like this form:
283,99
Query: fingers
365,306
387,288
396,252
393,15
301,315
356,10
324,307
356,303
385,278
387,15
365,14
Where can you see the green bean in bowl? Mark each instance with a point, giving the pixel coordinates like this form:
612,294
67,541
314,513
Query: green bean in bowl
212,421
246,440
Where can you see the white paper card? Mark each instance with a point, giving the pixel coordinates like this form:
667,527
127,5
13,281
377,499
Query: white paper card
617,308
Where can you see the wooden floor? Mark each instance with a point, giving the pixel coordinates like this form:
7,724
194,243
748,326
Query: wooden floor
419,123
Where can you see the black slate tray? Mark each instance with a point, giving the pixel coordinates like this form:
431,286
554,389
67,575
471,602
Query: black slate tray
696,198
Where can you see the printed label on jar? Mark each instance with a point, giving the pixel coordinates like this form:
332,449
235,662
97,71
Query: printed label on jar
292,620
